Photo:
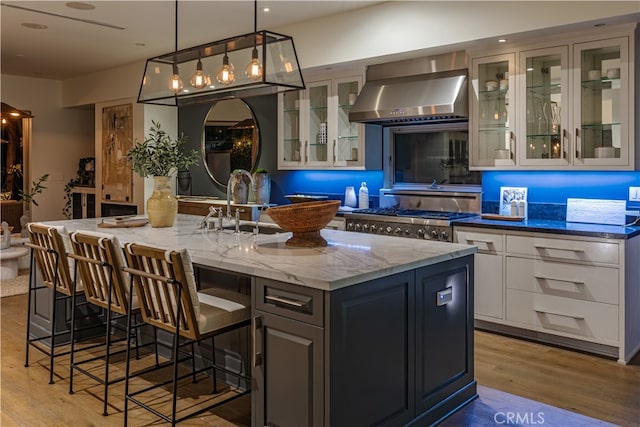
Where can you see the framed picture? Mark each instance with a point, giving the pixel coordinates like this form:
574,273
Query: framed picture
508,194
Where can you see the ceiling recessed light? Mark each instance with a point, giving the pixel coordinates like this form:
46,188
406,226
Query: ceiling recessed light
502,40
80,5
141,44
33,26
266,9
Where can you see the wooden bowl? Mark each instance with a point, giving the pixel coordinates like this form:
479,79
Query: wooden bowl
305,220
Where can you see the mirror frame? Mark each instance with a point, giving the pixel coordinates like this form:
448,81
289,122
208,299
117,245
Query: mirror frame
256,143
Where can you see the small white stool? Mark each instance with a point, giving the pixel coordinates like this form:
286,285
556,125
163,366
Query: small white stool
9,261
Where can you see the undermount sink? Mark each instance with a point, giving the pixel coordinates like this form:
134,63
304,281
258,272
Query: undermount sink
262,229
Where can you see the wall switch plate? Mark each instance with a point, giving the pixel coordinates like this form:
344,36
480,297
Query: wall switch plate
634,194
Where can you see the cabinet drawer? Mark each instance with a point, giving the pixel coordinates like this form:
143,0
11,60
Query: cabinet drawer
585,320
486,242
574,250
295,302
584,282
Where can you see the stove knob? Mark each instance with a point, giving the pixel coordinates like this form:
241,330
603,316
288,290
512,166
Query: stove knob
444,235
407,231
398,231
349,226
388,230
434,234
358,227
374,228
421,233
365,228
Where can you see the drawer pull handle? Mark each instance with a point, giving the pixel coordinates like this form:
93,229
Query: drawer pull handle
577,282
557,248
285,301
559,314
486,242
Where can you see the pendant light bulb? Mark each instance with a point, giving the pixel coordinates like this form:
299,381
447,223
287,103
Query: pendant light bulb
198,80
175,84
254,69
225,75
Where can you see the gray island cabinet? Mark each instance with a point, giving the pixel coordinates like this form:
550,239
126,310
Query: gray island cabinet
370,330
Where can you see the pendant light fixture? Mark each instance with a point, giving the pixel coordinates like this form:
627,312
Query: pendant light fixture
254,68
198,80
274,68
226,75
176,84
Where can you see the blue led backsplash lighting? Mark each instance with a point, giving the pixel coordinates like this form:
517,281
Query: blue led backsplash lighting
330,183
548,191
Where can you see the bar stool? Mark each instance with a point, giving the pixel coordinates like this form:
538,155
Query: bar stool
100,262
166,288
49,246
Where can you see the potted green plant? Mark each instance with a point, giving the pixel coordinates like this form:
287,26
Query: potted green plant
159,156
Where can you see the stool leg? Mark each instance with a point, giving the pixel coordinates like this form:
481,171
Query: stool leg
106,363
32,285
193,363
53,335
73,328
213,364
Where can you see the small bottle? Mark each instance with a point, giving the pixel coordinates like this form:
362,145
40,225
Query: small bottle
514,208
522,209
363,196
350,197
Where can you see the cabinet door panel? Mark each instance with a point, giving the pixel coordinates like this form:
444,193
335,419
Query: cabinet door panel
444,349
371,353
290,372
489,286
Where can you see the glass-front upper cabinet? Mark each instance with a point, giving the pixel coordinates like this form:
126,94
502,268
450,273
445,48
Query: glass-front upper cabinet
291,148
314,131
493,111
544,114
601,112
348,147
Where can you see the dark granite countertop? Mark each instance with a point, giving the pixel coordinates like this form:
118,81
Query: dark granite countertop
555,227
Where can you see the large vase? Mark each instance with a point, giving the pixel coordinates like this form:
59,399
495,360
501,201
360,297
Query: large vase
262,188
239,189
162,205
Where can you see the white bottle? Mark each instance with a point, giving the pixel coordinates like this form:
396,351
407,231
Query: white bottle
363,196
350,197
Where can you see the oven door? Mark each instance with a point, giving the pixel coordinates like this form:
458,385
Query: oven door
427,154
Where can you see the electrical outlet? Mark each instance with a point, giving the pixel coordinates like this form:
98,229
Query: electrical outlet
634,194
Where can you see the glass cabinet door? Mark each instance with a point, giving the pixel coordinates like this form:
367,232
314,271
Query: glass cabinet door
318,122
493,110
291,151
545,89
347,144
601,114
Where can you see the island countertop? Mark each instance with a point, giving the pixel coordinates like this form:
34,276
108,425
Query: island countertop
348,259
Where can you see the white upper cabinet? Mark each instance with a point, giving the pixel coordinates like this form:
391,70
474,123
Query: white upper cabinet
565,104
314,131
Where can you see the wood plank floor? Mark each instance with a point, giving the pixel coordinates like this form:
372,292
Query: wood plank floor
529,382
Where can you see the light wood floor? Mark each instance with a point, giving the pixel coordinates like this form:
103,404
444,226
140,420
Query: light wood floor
582,384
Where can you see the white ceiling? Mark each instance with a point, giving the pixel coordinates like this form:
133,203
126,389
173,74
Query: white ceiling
77,42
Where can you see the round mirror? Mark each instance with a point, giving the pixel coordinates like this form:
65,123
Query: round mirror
230,140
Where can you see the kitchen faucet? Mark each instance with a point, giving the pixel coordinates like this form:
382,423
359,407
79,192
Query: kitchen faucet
204,222
234,173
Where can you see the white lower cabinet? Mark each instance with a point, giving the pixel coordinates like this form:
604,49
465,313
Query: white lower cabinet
578,291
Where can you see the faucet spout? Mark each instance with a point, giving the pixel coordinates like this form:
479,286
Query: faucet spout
234,173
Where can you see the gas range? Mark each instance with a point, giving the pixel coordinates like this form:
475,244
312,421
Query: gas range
418,224
415,213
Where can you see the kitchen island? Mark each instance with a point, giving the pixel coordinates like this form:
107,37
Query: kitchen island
368,330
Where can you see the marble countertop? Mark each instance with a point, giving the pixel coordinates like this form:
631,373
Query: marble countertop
556,227
349,258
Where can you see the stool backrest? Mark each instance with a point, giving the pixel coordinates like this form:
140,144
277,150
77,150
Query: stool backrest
50,252
100,262
162,278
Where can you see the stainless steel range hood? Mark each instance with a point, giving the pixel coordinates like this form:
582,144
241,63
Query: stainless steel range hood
430,89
